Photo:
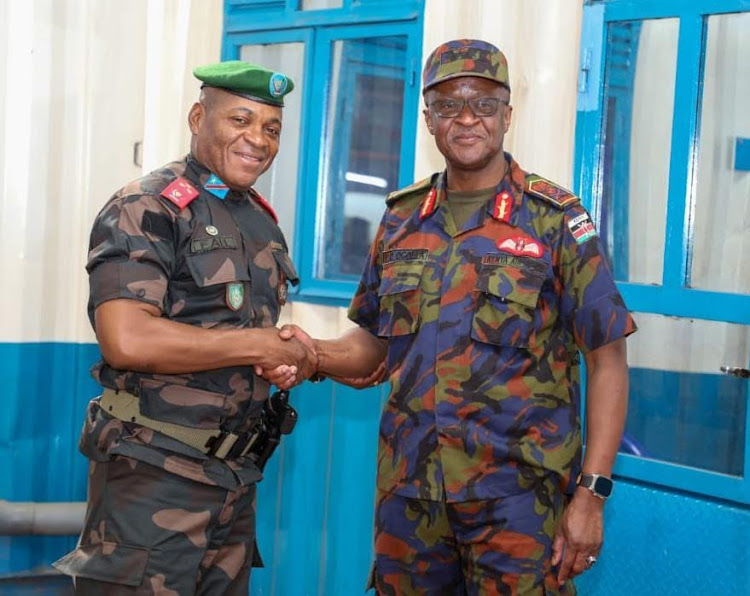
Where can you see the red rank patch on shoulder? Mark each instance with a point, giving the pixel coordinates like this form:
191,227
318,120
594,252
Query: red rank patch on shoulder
180,192
521,247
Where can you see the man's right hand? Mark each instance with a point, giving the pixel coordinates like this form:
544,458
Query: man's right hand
291,360
286,371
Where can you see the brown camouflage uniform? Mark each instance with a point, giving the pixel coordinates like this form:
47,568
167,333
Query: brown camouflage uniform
163,517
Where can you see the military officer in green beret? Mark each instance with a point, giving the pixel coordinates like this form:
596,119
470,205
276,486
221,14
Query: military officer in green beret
188,271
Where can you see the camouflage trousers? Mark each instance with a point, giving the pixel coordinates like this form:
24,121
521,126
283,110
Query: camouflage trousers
150,532
499,546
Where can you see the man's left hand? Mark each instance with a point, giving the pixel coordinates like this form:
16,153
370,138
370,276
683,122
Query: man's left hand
579,535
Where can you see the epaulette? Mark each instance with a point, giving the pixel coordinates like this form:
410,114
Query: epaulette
559,197
412,189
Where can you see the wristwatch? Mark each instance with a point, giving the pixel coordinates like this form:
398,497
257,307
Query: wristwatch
599,485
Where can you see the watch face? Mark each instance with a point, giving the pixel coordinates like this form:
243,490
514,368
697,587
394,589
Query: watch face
603,486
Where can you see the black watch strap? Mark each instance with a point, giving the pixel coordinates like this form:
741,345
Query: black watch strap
600,486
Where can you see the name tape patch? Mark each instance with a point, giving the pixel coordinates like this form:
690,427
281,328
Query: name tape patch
402,255
200,245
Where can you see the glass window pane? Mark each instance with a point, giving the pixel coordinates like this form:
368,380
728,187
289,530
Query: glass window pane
721,255
362,149
279,184
638,101
683,409
321,4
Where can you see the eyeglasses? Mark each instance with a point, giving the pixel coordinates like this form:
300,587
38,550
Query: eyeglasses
480,106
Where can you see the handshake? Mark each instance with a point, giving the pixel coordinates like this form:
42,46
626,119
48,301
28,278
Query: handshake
291,356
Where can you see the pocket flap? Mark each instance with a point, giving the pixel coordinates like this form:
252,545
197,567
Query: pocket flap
107,561
512,284
400,277
217,267
285,263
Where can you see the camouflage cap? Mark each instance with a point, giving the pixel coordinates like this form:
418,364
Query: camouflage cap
465,58
246,79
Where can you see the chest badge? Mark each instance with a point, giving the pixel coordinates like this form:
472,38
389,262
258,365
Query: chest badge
521,247
235,295
211,230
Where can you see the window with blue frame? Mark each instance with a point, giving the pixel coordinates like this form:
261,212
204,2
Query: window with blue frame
662,122
349,126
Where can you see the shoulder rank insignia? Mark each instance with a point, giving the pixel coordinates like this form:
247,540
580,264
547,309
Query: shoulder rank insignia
180,192
265,205
549,191
417,187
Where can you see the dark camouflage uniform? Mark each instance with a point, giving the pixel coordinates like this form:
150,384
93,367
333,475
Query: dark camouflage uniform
484,325
215,264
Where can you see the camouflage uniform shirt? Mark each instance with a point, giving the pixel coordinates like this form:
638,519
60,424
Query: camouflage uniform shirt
484,324
211,260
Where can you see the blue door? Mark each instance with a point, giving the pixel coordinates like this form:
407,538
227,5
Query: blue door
662,161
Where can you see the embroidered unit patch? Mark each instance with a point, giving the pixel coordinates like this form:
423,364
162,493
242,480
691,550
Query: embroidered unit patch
235,295
582,228
521,247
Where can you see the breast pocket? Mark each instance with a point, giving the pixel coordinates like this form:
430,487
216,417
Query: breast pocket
399,294
506,304
219,270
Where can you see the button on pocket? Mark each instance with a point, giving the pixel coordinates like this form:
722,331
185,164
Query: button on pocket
507,299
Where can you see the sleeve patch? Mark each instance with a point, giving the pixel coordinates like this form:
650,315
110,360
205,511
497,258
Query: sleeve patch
180,192
582,228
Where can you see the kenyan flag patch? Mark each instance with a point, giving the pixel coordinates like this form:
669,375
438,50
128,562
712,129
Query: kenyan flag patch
582,228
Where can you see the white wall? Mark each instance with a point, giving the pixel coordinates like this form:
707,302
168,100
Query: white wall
83,80
103,74
540,39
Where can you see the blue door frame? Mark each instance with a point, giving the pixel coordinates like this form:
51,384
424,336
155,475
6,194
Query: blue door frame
674,296
263,21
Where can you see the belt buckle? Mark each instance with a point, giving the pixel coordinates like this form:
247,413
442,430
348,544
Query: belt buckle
244,444
220,445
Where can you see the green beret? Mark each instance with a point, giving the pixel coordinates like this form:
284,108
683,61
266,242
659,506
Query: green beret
245,79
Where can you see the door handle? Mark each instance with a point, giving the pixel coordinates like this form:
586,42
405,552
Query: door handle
736,371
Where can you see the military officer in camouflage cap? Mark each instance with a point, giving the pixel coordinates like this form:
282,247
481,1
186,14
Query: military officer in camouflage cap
483,285
188,271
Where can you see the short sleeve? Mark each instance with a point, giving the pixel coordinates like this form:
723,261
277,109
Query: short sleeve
131,251
364,308
591,305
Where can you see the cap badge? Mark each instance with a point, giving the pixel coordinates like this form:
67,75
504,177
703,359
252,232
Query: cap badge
277,84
